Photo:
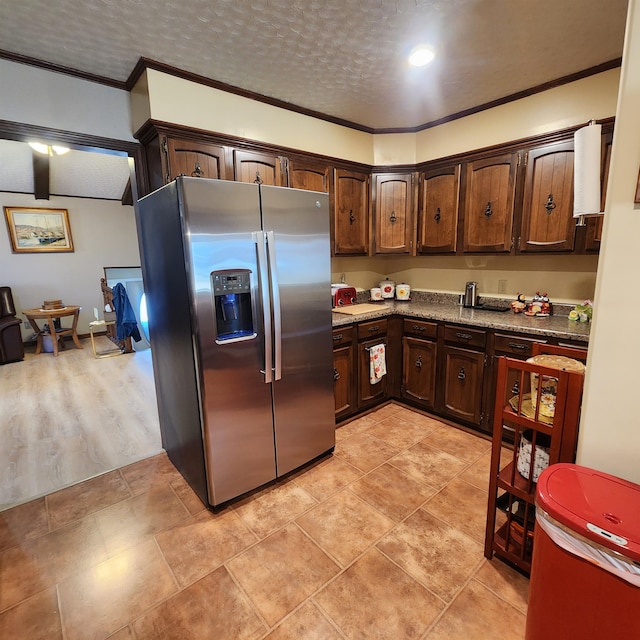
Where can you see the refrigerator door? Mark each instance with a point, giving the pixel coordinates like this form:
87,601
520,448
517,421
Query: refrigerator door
296,225
222,221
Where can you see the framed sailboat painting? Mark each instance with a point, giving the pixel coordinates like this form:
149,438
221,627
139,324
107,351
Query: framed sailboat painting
34,230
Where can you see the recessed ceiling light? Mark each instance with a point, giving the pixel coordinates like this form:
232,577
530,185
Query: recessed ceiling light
421,56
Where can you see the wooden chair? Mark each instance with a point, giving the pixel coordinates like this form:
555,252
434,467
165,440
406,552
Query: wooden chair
110,318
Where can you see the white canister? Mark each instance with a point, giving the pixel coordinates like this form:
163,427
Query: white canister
403,291
388,288
376,293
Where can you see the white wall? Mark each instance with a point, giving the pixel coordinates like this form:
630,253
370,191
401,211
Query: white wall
610,425
39,97
559,108
104,235
179,101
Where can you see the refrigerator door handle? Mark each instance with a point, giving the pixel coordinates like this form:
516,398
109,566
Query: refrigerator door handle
263,270
275,293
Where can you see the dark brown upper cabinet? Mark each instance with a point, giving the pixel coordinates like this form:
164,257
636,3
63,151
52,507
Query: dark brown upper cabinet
351,213
309,175
548,224
438,206
489,204
263,168
595,223
195,159
393,212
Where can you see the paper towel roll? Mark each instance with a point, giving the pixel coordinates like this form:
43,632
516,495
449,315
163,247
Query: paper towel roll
586,177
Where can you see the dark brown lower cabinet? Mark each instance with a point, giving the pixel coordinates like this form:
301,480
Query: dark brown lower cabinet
463,378
445,369
370,334
344,372
369,394
419,371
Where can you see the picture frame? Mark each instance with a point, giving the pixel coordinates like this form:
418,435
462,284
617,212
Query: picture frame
36,230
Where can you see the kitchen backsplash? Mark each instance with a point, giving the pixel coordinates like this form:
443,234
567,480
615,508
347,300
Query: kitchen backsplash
566,278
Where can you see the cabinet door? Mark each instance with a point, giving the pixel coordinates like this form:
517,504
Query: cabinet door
351,213
463,384
438,210
250,166
594,223
489,203
309,175
393,217
547,213
343,380
419,371
369,394
195,159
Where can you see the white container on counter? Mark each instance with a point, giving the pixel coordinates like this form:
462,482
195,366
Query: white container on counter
388,288
376,293
403,291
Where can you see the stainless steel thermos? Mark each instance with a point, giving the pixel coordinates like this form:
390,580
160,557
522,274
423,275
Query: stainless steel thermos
470,294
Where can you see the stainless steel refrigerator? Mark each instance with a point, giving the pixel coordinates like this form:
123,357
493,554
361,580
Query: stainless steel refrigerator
237,279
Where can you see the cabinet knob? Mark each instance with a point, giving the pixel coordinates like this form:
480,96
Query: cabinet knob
464,336
337,337
516,388
517,345
352,218
392,218
258,179
197,171
417,327
488,212
437,217
419,362
373,329
336,375
461,374
551,205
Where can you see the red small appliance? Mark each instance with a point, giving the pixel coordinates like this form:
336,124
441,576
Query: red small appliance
344,296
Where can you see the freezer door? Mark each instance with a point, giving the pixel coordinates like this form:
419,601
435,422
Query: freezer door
296,225
222,221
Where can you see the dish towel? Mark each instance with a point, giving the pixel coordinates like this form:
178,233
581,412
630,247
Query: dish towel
377,363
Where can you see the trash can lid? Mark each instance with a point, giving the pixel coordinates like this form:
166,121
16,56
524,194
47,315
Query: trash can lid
594,504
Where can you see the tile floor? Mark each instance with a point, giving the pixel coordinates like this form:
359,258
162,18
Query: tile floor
383,539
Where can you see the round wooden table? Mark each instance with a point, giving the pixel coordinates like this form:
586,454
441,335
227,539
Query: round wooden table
50,315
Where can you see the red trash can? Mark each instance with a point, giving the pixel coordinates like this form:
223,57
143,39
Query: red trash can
585,572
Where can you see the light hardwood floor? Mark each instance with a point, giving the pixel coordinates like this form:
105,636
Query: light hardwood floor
67,419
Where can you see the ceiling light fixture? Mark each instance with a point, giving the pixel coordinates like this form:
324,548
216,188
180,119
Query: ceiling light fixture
421,56
48,150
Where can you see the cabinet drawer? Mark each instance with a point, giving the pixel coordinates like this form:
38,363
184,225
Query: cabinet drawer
514,345
343,335
420,328
372,329
465,336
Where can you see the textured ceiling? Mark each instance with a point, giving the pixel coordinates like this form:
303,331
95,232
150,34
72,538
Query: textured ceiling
342,58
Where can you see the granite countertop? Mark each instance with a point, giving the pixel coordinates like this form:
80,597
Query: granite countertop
557,325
